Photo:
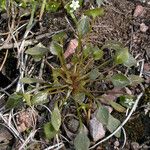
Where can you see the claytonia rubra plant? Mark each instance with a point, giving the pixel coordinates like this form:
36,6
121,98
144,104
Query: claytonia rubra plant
73,77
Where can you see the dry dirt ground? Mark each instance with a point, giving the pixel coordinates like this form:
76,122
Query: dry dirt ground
119,24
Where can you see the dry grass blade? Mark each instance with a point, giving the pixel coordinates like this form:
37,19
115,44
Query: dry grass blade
60,145
12,129
5,58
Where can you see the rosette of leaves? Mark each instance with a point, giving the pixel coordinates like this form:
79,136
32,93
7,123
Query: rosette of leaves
74,81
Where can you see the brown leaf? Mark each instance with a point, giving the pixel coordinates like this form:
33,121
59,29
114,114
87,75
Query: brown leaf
71,48
105,98
111,95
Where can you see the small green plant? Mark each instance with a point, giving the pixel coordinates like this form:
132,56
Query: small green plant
73,79
45,5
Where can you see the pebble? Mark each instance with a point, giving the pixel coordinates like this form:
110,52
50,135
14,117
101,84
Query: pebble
97,130
139,11
135,146
143,27
116,143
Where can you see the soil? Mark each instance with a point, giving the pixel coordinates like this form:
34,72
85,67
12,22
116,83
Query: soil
117,24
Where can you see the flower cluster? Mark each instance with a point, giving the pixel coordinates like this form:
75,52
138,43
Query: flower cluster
128,101
74,5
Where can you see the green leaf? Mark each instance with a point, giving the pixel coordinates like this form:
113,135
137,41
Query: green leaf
75,59
131,61
117,106
31,80
59,37
52,6
95,12
97,54
119,80
56,118
49,130
113,124
126,101
38,50
40,98
27,98
134,79
80,2
79,97
57,72
83,26
56,49
67,7
88,50
94,73
14,100
115,45
102,115
37,58
121,56
81,142
2,5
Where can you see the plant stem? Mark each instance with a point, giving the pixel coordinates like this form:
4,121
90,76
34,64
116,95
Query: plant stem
42,9
79,116
56,92
96,91
103,64
56,88
65,99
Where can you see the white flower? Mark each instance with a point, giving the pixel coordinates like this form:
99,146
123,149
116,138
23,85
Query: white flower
128,101
74,5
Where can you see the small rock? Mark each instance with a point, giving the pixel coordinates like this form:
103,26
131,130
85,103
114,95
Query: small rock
135,146
146,67
97,130
143,27
5,135
73,125
116,144
136,38
139,11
